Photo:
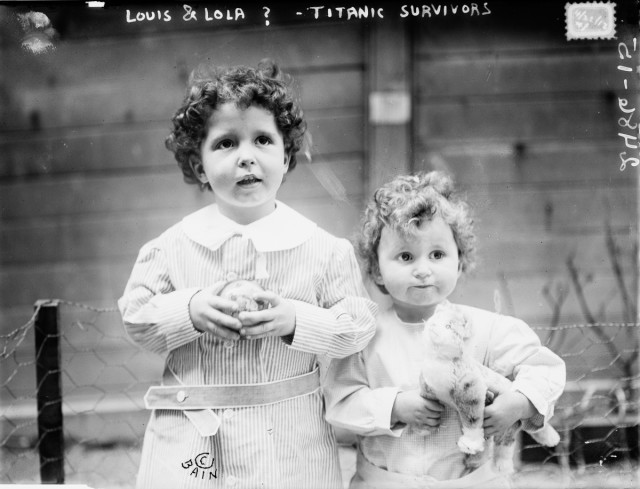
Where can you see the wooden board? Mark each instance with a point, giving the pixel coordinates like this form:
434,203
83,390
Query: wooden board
78,195
522,74
520,118
103,279
528,302
137,147
102,103
101,230
557,210
536,162
166,57
529,254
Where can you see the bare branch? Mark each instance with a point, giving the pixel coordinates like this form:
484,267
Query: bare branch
556,302
577,284
613,251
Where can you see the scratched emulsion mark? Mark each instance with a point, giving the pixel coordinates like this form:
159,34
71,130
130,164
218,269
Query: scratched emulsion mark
324,174
590,20
329,181
39,33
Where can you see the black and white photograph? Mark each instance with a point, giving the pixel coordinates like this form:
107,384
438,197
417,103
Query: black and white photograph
358,245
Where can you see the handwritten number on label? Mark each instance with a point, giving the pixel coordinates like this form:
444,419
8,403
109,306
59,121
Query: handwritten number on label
622,46
622,122
625,122
622,103
632,161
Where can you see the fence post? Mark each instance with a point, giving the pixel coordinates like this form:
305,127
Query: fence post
49,393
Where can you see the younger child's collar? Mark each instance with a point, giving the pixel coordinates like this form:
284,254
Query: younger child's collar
283,229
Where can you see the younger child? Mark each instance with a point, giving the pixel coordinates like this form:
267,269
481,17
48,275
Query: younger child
416,241
240,404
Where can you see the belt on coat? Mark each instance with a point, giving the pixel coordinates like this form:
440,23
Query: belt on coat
220,396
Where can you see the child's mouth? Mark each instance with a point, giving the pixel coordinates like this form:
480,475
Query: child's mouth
249,180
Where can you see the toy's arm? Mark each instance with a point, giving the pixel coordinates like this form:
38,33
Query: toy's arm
496,383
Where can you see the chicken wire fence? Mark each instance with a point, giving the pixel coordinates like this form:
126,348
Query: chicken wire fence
72,386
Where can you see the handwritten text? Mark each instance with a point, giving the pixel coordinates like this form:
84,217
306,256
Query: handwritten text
189,14
193,15
141,16
434,10
346,12
201,466
630,131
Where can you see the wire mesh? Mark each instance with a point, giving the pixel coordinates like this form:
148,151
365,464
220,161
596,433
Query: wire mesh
104,377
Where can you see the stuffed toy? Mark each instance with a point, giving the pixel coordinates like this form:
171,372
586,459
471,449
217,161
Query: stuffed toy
242,292
451,375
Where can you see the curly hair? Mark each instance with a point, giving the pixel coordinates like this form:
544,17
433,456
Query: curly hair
403,204
209,87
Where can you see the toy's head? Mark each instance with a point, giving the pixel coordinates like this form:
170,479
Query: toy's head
446,331
242,292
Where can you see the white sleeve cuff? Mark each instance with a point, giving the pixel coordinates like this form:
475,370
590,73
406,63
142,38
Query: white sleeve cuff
337,332
180,327
543,407
385,399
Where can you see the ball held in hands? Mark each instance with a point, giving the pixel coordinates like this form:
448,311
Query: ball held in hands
242,293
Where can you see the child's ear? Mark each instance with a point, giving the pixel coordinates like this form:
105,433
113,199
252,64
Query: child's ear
287,159
198,170
377,277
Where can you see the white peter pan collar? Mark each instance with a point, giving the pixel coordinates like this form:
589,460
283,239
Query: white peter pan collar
283,229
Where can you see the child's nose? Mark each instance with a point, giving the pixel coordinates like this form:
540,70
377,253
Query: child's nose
422,269
246,156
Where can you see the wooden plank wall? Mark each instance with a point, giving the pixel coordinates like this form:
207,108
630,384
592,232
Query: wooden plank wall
85,179
527,123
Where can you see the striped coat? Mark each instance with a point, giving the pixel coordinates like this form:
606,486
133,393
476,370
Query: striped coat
287,444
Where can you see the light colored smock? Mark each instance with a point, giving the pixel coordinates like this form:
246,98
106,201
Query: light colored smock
362,389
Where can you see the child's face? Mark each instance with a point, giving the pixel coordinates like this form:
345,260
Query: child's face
244,161
418,272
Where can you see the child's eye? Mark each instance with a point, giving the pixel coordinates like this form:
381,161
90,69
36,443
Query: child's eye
405,256
224,144
437,255
263,140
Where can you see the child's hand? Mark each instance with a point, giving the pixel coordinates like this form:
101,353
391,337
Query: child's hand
507,408
411,408
211,313
277,320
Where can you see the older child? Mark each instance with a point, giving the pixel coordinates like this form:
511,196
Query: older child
240,404
416,241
